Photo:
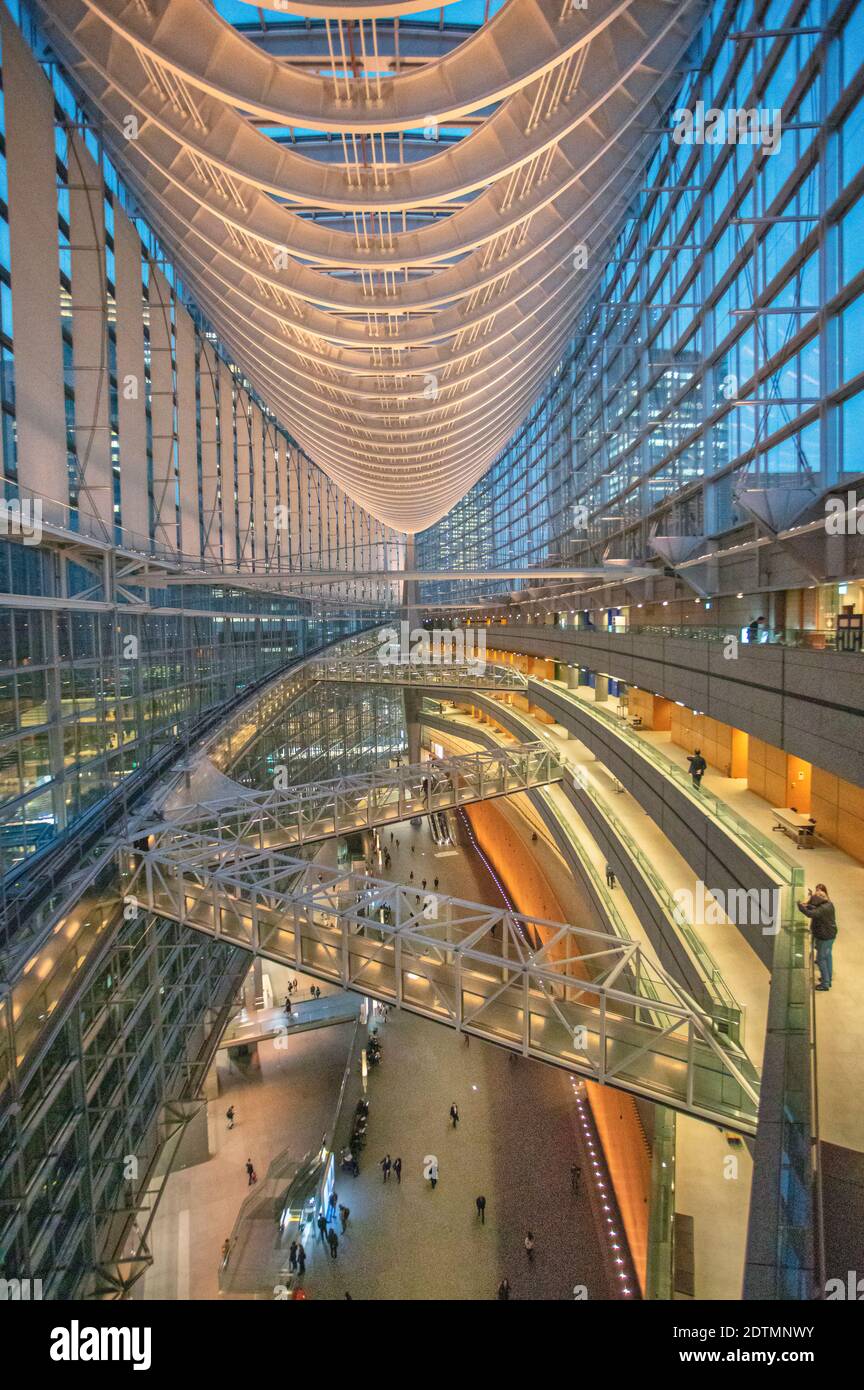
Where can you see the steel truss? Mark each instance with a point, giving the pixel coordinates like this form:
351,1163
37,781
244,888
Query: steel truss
571,996
320,810
368,670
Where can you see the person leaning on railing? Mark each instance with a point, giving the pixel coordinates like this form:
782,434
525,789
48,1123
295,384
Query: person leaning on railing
823,929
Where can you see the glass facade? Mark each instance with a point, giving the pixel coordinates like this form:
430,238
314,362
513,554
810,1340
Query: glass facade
722,339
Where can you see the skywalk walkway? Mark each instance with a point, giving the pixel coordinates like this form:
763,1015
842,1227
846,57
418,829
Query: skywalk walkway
368,670
574,997
294,816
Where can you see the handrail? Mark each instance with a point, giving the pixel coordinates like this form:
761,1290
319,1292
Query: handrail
709,968
765,849
36,890
465,965
806,638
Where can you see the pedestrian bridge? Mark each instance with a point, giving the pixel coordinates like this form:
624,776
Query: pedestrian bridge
574,997
368,670
295,816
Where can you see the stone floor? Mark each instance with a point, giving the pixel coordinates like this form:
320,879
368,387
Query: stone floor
516,1141
514,1144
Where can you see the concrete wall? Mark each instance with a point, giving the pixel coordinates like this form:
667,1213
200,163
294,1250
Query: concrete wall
810,703
710,850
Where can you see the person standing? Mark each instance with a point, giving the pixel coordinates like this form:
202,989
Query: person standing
610,876
575,1175
301,1260
503,1293
250,1171
397,1169
322,1227
333,1242
386,1165
753,628
529,1246
229,1116
823,929
454,1114
433,1174
292,1255
698,767
331,1205
344,1213
480,1204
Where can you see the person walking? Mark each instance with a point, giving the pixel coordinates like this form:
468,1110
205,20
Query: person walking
698,767
610,876
575,1175
397,1169
454,1114
229,1116
823,929
333,1242
529,1246
344,1213
288,1005
433,1173
503,1293
250,1171
226,1249
292,1255
480,1204
385,1166
423,885
301,1260
435,883
331,1205
322,1227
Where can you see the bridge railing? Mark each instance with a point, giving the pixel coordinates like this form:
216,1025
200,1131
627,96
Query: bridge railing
368,670
575,997
342,805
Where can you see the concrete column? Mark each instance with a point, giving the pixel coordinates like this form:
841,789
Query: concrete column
190,530
90,355
132,402
260,501
601,688
244,422
162,347
572,677
41,420
229,482
210,458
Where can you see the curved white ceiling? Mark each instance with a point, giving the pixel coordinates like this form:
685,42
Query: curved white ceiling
397,309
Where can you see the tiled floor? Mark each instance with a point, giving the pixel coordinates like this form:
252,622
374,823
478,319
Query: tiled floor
515,1144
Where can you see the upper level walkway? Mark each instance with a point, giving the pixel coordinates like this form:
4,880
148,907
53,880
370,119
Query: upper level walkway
578,998
840,1022
292,816
257,1025
464,675
806,700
